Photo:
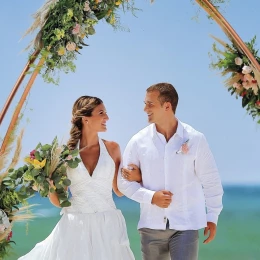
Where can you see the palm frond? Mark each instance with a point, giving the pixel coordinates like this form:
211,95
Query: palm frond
9,147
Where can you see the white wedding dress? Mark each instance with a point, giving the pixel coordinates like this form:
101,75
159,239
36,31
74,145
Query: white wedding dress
91,228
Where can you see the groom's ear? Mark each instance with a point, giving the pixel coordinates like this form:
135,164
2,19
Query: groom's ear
167,106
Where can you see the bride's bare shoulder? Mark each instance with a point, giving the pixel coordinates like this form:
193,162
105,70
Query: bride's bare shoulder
111,146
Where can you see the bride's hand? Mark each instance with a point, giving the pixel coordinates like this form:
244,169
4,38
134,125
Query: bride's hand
132,174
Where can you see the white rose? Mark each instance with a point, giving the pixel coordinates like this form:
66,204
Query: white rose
71,46
86,7
238,61
246,70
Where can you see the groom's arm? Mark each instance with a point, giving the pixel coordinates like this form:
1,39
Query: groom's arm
133,190
208,175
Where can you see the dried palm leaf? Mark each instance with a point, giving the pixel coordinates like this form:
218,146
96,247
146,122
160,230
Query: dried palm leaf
228,30
9,147
234,79
40,18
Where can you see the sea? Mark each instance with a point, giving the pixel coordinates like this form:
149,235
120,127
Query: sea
238,233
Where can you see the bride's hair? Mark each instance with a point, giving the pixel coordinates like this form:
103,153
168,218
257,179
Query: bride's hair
83,106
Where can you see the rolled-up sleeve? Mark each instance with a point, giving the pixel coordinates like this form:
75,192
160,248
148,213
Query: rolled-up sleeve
208,175
133,190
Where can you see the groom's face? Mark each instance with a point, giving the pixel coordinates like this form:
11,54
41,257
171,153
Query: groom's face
153,107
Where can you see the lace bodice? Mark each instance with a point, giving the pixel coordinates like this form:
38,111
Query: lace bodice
92,194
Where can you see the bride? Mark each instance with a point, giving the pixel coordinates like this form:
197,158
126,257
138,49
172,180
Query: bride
91,228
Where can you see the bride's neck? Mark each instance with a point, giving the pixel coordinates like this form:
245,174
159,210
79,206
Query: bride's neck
88,140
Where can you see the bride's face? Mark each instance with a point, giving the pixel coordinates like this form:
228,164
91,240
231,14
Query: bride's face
97,122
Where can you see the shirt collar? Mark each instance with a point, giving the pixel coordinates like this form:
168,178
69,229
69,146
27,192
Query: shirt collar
179,131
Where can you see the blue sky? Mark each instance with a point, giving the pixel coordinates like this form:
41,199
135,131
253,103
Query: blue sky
164,45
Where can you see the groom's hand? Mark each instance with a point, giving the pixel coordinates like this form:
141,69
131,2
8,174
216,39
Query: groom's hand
212,230
162,198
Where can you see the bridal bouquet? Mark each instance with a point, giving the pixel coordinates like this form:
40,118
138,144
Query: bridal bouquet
45,170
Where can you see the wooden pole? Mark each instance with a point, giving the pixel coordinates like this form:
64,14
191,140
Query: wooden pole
17,84
20,105
216,15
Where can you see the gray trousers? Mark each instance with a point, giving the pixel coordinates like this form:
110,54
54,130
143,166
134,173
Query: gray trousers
169,244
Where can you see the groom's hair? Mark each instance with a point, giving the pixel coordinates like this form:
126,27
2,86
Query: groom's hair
167,94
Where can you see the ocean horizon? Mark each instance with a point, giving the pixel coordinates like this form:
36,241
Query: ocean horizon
237,235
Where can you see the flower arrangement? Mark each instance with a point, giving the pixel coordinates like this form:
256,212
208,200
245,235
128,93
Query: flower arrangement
45,170
13,204
244,80
65,25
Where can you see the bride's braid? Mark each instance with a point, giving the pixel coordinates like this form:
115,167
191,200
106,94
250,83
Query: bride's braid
83,106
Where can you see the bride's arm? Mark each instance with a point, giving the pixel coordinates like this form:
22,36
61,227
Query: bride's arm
53,197
114,151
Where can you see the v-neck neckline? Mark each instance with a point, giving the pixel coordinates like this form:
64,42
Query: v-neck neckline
99,156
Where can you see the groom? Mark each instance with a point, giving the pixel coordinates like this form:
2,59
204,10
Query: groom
179,179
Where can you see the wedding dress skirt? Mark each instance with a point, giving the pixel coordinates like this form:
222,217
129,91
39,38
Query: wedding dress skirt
91,228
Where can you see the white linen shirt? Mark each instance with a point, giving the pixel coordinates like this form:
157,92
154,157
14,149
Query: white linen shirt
192,178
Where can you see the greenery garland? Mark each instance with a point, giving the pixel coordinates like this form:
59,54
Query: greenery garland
244,80
67,24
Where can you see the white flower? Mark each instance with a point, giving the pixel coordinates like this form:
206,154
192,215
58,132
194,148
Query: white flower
86,7
4,220
71,46
246,70
238,61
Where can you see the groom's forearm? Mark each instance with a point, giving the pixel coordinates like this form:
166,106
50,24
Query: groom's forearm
135,191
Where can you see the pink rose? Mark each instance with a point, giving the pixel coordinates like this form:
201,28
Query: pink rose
71,46
76,29
69,157
185,148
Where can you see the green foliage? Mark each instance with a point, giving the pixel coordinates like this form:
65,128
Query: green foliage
243,80
68,23
46,164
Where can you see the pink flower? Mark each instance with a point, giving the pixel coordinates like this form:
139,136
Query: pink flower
185,148
76,29
250,82
257,104
71,46
9,236
69,157
254,86
32,154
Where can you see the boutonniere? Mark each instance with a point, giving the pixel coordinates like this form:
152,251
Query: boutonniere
184,148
